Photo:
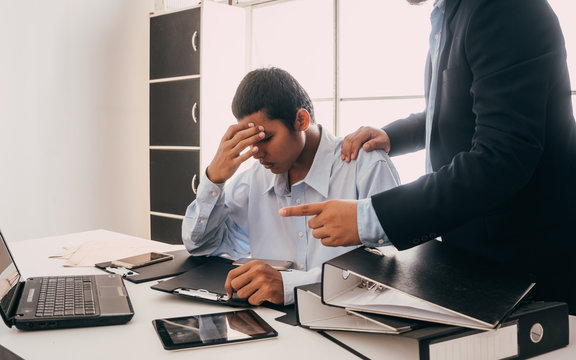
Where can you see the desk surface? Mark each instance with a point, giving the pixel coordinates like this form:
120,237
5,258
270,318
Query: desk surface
138,340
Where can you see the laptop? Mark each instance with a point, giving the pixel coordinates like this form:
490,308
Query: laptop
54,302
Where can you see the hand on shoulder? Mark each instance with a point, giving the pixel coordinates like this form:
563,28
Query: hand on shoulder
366,137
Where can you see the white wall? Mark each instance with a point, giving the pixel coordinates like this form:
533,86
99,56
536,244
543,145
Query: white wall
73,117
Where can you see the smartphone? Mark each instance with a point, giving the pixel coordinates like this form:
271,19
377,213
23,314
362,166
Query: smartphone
276,264
137,261
222,328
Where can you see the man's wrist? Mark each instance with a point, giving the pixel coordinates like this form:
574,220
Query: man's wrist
370,231
214,179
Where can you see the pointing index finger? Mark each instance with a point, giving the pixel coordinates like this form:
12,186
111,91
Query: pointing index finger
302,210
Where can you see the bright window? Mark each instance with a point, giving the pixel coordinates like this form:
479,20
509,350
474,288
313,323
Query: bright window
376,73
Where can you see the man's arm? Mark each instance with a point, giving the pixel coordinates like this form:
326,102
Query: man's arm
407,135
211,224
214,223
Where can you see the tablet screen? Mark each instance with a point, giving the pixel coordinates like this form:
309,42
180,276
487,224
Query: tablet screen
212,329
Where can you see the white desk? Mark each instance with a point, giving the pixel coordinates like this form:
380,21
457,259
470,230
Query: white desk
138,340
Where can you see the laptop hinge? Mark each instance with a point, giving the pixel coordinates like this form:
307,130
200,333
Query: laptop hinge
13,306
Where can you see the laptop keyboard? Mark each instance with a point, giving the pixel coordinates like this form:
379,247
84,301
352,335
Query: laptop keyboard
66,296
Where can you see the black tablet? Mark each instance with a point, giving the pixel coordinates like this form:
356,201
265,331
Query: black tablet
199,331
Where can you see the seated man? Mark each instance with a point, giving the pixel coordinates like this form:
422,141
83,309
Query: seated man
299,163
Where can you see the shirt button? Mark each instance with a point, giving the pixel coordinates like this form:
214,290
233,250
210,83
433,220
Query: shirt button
298,201
381,241
301,266
213,193
300,233
436,36
202,221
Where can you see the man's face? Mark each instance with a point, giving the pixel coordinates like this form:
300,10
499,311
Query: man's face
280,148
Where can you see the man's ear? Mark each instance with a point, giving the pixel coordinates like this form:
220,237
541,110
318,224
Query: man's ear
302,120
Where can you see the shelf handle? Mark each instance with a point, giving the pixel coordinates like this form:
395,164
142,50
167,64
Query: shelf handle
194,185
194,109
194,37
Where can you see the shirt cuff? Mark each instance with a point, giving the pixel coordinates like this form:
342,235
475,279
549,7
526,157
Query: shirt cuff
293,278
370,231
209,191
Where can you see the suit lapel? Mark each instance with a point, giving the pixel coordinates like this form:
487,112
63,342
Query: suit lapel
450,11
447,33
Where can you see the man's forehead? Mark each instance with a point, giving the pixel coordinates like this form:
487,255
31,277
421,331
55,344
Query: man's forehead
258,118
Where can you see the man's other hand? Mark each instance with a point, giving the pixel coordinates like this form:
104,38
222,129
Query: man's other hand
257,282
368,138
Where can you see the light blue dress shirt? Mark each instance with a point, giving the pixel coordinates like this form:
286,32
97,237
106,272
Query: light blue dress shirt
369,228
241,218
436,19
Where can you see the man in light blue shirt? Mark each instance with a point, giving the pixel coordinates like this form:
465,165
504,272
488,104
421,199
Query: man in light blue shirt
299,163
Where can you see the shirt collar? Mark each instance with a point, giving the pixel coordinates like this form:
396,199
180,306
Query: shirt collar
440,4
317,175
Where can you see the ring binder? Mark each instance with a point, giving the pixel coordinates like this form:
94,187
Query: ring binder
430,282
432,342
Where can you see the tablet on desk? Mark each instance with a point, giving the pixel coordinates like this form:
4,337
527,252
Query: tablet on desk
200,331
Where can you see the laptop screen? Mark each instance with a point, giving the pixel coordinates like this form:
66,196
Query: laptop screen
9,276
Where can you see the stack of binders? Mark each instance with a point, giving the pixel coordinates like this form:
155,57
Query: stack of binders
430,302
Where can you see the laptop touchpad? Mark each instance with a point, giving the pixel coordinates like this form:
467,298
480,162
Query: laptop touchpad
115,300
111,291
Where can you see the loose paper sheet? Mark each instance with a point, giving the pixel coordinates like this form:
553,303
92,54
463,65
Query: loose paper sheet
97,250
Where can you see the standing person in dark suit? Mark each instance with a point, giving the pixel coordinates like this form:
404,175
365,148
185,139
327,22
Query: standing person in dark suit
500,137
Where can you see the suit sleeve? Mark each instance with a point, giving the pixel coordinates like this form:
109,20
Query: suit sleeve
407,135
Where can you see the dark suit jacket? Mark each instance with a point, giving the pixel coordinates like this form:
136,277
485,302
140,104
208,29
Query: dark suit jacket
503,146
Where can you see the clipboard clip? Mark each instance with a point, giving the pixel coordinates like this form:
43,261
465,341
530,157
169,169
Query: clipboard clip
121,271
203,294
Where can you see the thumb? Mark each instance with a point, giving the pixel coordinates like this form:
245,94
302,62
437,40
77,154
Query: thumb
369,145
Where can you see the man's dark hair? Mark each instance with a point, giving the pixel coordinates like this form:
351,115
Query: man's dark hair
273,91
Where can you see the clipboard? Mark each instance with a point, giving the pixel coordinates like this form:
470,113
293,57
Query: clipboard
203,283
181,263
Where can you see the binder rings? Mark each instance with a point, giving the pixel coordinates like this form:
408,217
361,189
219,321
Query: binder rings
181,263
532,330
313,314
430,282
